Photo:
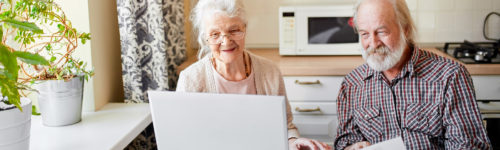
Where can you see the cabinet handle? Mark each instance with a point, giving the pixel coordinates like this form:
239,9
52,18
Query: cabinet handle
307,110
307,82
490,112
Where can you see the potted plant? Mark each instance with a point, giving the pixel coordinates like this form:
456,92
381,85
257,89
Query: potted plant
56,40
15,124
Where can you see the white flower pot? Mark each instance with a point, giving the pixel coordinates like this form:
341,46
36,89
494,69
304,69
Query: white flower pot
61,102
15,127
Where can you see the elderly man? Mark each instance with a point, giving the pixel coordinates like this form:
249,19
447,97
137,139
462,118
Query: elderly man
403,91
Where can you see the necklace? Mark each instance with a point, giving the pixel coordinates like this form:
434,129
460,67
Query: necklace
246,60
247,68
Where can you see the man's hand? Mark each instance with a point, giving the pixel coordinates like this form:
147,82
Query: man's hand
307,144
358,146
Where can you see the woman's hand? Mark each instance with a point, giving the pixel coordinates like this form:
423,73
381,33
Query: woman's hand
307,144
358,146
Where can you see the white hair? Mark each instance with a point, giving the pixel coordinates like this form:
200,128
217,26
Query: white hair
204,8
403,19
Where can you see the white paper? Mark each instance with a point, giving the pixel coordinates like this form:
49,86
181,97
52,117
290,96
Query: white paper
392,144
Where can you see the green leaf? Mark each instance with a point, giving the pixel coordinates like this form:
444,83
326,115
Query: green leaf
32,81
34,111
61,27
1,31
30,58
9,61
9,88
23,25
48,47
53,58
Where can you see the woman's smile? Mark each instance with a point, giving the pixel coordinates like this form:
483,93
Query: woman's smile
229,50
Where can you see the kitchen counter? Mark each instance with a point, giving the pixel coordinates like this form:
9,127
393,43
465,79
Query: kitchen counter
112,127
336,65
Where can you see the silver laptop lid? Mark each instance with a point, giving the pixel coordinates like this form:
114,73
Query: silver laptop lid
194,121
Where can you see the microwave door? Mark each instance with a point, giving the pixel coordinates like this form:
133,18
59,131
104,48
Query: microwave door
326,32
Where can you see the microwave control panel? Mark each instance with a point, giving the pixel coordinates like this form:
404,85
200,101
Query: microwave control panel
287,32
288,29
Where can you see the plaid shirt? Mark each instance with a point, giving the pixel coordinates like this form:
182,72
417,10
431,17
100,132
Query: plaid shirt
430,104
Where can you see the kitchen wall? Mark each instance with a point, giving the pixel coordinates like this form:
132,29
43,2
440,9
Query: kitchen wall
437,20
455,20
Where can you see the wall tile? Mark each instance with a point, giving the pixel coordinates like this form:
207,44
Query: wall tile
466,35
496,5
477,36
463,21
426,20
445,4
412,4
464,25
464,5
427,5
414,17
483,5
444,21
425,37
448,36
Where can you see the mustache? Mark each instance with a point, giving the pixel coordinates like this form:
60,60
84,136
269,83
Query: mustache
378,50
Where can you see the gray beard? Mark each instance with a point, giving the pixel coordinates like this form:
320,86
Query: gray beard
382,58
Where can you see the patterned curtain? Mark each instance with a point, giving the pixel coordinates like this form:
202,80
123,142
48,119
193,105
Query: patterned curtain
152,46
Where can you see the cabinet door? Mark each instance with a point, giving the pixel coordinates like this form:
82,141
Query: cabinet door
312,88
487,87
323,125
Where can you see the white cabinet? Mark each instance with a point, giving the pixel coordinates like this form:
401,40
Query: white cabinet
313,88
314,106
487,87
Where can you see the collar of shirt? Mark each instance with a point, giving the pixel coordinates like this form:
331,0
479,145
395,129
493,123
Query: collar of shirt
408,69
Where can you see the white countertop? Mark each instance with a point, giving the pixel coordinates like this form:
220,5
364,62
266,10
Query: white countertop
112,127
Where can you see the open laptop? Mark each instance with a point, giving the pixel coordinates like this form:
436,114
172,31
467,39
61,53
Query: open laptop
194,121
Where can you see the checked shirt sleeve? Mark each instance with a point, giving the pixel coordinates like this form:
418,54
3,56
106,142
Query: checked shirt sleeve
462,119
347,132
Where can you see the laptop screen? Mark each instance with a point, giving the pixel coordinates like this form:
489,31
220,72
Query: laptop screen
218,121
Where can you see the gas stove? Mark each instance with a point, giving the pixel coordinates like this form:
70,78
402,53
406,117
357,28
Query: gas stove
474,53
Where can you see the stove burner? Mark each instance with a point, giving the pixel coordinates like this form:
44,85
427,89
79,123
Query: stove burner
480,52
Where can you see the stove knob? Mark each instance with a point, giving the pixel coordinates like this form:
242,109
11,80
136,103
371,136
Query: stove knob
479,56
466,54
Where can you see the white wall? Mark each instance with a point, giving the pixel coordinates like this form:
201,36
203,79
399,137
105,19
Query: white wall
78,13
455,20
437,20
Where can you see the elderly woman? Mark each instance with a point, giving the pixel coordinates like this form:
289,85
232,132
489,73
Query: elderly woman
225,66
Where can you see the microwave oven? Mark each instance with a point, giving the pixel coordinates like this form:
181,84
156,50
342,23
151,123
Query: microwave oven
317,30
